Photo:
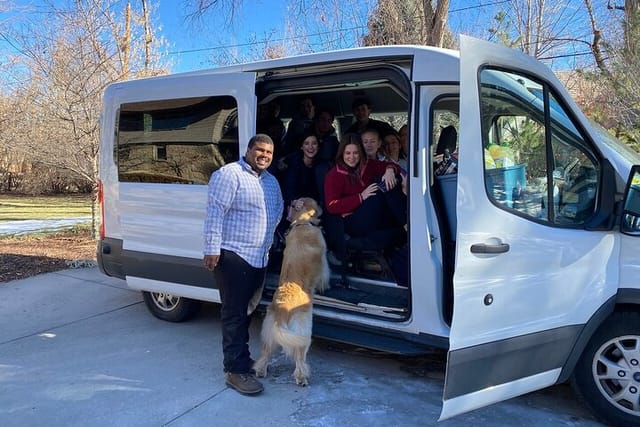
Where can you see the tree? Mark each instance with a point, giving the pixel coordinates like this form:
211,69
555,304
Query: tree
409,22
60,72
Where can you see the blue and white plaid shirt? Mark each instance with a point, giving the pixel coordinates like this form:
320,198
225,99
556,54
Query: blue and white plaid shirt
243,210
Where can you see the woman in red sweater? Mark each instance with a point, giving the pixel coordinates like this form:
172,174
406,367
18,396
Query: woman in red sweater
364,193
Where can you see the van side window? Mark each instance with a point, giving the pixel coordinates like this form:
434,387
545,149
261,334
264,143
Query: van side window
177,141
534,156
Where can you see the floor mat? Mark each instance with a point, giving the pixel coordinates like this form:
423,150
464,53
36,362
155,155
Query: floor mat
357,296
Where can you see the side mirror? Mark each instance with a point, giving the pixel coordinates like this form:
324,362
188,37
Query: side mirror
630,223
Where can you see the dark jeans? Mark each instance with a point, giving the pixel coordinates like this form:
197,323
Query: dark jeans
237,281
383,211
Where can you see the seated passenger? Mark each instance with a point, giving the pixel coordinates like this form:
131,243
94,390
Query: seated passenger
361,108
300,125
372,144
362,196
326,134
393,150
305,172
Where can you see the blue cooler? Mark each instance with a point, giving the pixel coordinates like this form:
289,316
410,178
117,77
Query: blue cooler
505,184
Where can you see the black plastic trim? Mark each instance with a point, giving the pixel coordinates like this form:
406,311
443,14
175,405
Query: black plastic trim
167,268
109,257
628,296
486,365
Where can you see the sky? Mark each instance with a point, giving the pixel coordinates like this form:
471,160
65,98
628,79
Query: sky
191,48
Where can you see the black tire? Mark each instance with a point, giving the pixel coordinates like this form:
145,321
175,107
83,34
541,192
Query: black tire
170,307
607,378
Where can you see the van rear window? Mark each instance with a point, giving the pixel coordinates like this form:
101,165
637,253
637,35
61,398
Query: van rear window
179,141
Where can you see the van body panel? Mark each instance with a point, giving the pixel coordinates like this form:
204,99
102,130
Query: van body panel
629,266
550,278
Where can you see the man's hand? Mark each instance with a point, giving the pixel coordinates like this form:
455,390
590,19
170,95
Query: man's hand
210,261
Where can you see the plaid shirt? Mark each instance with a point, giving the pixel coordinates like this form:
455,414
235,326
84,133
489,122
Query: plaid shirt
243,210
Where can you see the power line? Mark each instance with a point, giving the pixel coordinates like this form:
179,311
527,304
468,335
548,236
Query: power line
342,30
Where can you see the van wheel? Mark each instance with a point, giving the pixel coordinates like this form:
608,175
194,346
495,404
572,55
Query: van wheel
607,375
170,307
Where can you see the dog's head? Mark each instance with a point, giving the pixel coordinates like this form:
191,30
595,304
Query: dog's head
304,209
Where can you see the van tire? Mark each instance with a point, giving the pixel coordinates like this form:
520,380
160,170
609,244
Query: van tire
621,329
170,307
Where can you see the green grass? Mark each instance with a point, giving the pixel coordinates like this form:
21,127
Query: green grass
15,208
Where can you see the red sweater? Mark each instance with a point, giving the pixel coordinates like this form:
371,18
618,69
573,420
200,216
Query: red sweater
342,194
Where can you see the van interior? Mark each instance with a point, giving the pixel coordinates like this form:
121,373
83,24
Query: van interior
367,284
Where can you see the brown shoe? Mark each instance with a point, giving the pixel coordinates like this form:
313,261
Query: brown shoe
243,383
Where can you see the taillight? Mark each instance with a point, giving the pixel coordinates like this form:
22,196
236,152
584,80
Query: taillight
101,204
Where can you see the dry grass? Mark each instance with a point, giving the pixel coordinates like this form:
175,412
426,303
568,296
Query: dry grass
26,256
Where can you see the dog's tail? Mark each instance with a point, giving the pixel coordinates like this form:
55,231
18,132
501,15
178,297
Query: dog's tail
294,333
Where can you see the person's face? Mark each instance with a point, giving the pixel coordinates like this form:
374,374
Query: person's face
404,138
361,112
392,144
324,123
371,142
307,108
310,146
351,155
259,156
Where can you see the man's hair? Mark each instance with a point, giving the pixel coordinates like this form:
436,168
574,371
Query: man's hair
360,101
261,137
325,110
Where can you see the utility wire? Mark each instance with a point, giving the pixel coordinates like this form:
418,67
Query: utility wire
342,30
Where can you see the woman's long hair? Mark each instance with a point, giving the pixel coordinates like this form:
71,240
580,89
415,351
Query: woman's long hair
347,139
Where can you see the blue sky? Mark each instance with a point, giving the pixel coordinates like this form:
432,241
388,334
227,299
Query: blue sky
191,47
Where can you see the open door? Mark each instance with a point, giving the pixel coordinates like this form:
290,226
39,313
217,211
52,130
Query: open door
528,275
172,133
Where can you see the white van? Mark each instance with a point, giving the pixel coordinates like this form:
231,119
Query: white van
524,265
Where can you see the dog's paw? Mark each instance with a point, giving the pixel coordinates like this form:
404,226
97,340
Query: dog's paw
302,382
260,373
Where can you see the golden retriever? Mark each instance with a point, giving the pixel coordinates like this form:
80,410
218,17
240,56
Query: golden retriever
304,269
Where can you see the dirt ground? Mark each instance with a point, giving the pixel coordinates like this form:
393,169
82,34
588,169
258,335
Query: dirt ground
26,256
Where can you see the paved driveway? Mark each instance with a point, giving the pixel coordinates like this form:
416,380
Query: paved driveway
78,348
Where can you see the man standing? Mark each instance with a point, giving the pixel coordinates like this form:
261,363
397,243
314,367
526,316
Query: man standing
244,206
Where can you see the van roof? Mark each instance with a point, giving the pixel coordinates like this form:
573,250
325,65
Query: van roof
360,54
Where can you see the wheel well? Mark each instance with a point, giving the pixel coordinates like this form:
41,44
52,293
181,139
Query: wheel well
628,302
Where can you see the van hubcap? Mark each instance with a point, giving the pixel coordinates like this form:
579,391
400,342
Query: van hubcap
165,302
616,371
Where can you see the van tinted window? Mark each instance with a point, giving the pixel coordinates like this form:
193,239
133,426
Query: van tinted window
176,141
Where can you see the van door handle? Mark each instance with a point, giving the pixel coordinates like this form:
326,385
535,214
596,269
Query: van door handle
483,248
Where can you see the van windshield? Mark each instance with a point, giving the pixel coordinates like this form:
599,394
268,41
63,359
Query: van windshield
625,151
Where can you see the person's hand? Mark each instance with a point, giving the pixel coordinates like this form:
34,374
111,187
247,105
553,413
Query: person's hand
389,178
210,261
369,191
